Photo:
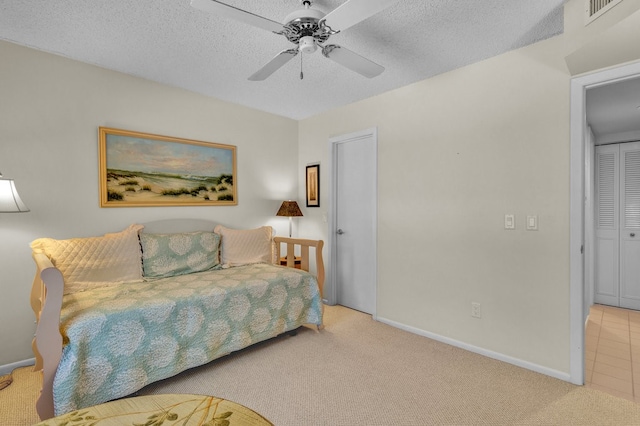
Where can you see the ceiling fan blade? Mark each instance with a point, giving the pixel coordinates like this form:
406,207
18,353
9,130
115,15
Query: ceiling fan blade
353,61
273,65
354,11
237,14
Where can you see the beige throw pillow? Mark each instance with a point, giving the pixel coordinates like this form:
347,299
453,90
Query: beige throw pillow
95,261
245,246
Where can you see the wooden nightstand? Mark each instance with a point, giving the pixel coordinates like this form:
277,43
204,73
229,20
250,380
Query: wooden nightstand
297,262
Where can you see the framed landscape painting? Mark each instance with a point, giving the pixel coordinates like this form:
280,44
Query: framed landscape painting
140,169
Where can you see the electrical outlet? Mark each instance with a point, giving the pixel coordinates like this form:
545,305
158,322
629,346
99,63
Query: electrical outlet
476,312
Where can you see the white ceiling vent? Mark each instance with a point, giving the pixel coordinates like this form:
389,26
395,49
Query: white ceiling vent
596,8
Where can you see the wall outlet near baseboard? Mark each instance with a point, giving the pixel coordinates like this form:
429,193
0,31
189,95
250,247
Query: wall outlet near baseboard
476,310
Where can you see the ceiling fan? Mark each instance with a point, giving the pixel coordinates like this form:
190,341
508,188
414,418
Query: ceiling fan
308,29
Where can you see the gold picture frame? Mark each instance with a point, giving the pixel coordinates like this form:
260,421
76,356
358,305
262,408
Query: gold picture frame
313,185
146,170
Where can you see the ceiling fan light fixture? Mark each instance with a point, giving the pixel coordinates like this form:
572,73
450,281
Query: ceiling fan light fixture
308,29
307,45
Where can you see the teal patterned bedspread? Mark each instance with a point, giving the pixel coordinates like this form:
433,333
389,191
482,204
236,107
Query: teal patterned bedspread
118,339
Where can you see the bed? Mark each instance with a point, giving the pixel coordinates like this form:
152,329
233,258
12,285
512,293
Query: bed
96,343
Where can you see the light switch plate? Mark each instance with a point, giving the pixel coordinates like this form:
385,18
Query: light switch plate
532,223
509,221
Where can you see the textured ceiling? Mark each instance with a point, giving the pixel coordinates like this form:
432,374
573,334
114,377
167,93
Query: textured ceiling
170,42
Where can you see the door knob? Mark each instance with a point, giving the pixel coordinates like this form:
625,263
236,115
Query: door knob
633,234
339,231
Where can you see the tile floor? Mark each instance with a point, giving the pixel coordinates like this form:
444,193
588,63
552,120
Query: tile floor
612,357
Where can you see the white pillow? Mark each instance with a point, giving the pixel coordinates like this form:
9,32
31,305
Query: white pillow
245,246
95,261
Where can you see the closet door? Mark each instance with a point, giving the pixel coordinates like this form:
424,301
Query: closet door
630,225
607,214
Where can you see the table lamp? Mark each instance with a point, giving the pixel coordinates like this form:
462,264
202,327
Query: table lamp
10,201
291,210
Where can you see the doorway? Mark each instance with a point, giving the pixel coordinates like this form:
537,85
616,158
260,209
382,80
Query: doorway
617,221
353,220
580,146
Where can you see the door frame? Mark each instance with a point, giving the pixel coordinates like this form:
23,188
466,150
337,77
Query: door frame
578,308
331,293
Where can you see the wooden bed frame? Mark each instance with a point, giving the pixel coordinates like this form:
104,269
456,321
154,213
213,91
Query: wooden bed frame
46,302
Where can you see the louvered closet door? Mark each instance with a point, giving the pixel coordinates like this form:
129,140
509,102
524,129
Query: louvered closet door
630,225
617,234
607,269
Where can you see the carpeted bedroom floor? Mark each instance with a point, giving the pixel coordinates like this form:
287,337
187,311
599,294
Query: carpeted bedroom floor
361,372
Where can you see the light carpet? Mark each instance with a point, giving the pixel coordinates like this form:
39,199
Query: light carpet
361,372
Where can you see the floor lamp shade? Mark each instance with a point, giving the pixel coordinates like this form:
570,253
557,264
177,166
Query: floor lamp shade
289,209
10,201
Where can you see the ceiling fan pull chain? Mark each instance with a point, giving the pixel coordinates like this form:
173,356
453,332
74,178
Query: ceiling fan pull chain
301,75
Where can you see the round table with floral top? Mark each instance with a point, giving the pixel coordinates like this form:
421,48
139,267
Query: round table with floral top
164,409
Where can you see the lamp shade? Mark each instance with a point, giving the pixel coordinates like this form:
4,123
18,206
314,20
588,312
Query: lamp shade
290,209
10,201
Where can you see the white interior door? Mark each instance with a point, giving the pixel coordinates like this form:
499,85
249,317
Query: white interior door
630,225
606,270
617,235
354,221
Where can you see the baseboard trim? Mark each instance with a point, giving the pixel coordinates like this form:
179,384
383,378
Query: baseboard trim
8,368
481,351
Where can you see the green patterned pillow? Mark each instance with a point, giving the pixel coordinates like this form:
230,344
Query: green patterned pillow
167,255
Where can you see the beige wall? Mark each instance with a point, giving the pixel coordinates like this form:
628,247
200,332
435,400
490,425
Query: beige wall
615,45
456,153
579,32
50,110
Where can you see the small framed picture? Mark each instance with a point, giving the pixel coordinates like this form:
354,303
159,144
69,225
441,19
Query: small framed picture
313,185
